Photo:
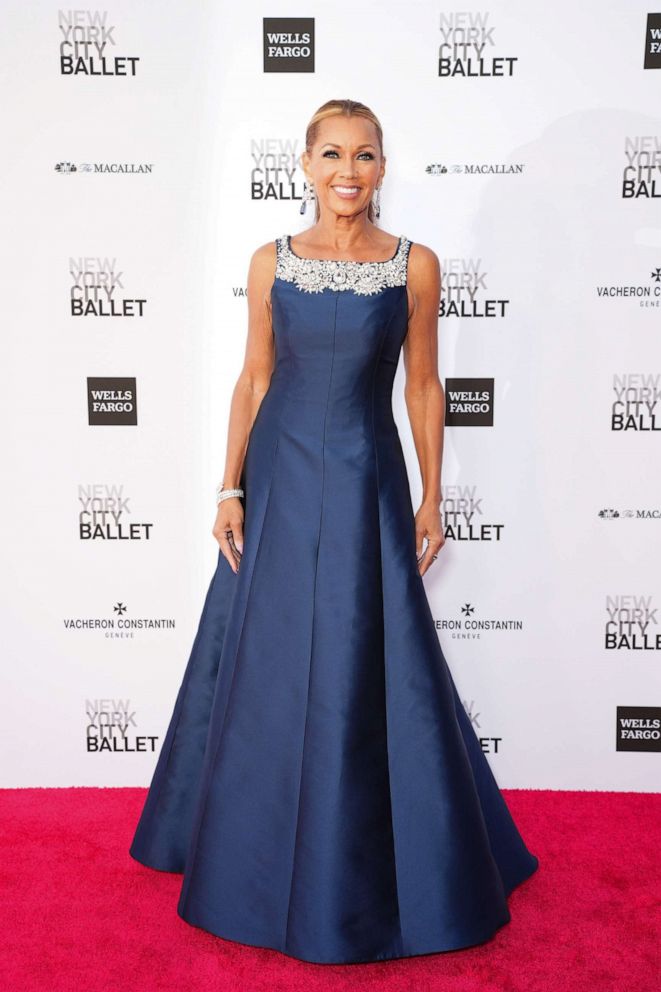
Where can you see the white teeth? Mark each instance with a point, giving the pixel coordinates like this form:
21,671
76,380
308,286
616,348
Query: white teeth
347,189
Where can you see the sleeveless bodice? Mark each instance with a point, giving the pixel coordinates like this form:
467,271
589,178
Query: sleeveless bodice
339,326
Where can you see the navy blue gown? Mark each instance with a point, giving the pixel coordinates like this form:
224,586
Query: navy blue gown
320,785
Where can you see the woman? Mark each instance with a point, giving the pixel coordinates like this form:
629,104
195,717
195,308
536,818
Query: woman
320,785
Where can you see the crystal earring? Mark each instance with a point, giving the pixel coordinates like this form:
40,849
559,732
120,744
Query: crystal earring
377,202
308,195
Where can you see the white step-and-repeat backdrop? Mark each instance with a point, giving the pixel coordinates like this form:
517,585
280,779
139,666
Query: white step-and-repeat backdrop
149,149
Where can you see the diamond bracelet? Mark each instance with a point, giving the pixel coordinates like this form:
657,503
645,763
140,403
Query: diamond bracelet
222,493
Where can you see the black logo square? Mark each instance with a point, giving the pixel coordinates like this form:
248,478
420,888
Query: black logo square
112,401
653,42
638,728
289,44
469,402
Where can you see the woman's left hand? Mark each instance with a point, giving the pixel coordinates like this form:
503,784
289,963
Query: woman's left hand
428,524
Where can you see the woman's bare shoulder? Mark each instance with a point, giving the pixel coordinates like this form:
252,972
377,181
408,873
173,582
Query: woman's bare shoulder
424,263
264,258
423,278
261,273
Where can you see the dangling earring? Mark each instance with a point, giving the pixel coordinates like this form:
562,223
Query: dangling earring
308,195
377,202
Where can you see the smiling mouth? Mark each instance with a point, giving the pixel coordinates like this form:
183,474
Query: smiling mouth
346,191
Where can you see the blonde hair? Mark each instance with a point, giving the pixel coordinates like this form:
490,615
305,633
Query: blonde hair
347,108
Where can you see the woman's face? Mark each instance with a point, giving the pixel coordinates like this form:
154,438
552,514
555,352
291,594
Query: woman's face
344,165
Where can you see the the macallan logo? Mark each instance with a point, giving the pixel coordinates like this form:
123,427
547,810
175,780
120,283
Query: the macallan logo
87,45
86,168
632,624
110,727
97,289
463,516
639,513
467,47
469,402
465,290
638,728
636,402
640,178
475,168
70,168
288,44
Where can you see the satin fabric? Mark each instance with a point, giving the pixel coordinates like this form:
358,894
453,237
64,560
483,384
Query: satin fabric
320,785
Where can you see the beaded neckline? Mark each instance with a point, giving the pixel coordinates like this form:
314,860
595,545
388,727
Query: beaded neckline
314,275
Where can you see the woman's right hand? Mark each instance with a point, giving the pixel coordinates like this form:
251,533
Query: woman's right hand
228,530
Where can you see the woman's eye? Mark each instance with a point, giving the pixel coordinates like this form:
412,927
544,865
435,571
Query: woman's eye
331,151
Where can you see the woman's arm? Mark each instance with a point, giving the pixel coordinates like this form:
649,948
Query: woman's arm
424,395
248,393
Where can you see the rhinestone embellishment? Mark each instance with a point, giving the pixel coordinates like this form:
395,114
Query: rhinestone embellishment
314,275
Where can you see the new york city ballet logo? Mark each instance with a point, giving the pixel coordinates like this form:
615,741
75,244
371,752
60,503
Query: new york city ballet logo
97,289
636,404
489,745
273,167
632,624
641,172
467,48
88,45
466,293
465,518
105,514
111,728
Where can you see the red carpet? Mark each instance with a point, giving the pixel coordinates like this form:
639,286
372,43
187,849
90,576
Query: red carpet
80,913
